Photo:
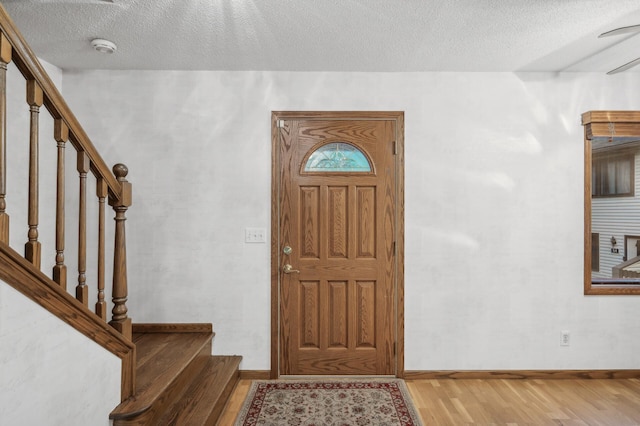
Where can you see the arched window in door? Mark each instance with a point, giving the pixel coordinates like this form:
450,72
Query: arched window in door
337,157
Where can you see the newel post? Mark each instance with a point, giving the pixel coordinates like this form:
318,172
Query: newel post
120,320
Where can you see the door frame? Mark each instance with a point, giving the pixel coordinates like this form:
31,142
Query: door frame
276,116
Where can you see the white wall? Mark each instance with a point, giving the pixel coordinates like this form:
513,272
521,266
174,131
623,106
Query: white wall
50,374
494,206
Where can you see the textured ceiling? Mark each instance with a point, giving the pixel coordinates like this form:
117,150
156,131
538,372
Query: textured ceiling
332,35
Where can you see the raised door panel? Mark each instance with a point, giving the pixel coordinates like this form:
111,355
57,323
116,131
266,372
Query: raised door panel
338,222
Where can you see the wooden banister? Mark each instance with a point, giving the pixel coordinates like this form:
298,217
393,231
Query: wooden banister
61,135
82,291
25,273
5,58
26,61
32,249
121,321
101,192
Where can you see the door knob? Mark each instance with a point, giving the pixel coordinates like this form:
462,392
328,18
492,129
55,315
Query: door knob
288,269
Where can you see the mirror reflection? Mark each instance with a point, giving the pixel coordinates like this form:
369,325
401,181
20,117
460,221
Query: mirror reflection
615,208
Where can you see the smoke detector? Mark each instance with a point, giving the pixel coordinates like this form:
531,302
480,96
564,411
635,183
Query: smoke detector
103,46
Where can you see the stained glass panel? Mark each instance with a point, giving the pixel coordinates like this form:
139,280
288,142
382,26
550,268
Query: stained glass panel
337,157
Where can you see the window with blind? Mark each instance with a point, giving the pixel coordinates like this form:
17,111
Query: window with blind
612,176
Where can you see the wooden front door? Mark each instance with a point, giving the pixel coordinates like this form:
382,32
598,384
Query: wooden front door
335,260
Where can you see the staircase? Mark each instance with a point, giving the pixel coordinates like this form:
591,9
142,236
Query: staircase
168,375
179,382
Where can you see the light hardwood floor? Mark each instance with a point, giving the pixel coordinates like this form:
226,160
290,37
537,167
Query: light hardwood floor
611,402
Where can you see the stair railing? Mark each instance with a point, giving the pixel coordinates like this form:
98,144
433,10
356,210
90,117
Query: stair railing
620,270
111,185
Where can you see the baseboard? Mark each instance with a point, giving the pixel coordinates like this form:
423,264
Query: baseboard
255,374
521,374
489,374
173,328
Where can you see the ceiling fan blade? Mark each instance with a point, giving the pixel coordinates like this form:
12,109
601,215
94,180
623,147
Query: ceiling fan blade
625,67
622,30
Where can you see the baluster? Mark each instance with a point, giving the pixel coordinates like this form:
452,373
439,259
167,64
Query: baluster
5,58
101,305
32,249
61,134
120,320
82,291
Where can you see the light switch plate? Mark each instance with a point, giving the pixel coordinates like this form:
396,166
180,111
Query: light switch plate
255,235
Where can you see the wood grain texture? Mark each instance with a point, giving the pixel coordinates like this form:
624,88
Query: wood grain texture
399,246
366,314
587,212
5,58
310,222
508,402
101,304
24,277
338,221
527,402
82,291
236,399
255,374
172,328
32,248
338,314
204,400
614,116
179,381
522,374
61,135
342,228
309,310
281,138
161,358
366,228
276,246
120,290
620,130
605,124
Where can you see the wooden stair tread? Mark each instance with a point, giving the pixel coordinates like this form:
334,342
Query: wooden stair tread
203,402
161,357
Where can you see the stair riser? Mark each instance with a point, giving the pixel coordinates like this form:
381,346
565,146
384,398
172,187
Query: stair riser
205,399
219,407
173,392
180,382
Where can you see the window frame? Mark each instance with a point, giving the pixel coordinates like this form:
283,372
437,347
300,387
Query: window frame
619,126
605,159
626,240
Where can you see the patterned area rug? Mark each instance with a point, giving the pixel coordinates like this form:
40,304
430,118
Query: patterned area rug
337,402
